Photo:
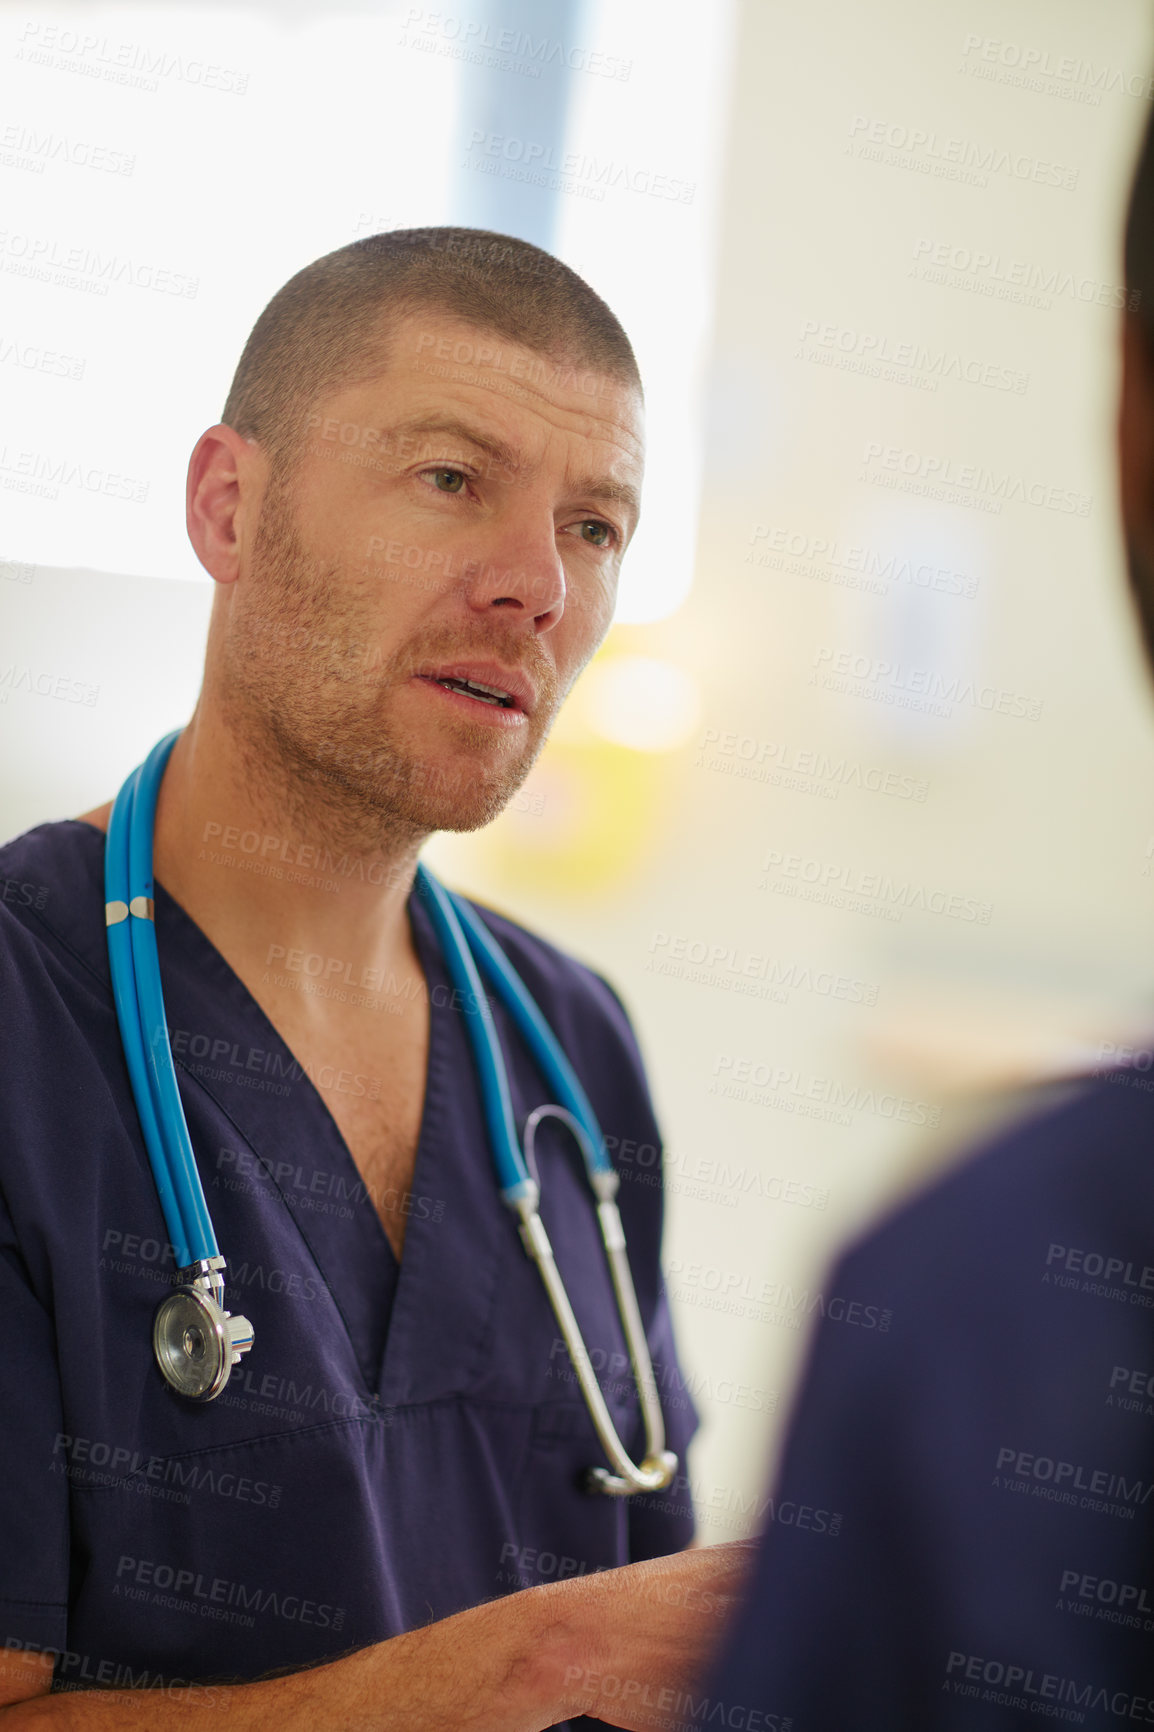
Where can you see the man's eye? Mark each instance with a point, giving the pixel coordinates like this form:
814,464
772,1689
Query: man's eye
448,480
599,535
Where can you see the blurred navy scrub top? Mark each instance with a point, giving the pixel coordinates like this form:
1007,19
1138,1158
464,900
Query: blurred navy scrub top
403,1441
991,1456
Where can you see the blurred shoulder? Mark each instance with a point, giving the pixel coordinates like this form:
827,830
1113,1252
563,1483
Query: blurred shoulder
1066,1186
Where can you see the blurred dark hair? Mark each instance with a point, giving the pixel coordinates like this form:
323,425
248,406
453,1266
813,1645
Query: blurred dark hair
1138,263
1138,246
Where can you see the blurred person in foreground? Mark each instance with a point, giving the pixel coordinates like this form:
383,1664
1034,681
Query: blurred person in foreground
992,1456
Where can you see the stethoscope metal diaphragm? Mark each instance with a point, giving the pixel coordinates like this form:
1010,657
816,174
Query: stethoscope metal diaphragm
195,1340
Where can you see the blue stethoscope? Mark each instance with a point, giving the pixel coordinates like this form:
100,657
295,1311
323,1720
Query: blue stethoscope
196,1341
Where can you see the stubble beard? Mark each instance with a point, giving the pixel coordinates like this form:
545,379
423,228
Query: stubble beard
306,695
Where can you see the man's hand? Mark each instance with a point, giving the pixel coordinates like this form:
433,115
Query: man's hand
649,1634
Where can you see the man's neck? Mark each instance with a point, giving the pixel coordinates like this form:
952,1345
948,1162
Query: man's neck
275,877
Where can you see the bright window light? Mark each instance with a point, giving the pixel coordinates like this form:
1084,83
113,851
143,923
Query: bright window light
173,167
649,246
166,169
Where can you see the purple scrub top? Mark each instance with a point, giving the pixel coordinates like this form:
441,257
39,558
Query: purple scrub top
404,1440
961,1538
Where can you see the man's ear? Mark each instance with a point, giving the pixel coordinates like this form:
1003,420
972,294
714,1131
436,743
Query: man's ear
226,477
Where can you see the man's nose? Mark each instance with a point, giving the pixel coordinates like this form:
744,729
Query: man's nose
520,572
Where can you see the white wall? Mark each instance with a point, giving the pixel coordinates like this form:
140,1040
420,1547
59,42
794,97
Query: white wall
1019,826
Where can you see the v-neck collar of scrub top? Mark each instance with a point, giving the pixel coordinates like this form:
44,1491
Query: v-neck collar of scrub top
419,1328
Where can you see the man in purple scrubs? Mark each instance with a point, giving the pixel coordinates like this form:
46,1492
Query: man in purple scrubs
991,1457
414,510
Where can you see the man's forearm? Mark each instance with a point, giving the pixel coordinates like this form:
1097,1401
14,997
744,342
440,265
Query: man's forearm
621,1644
495,1668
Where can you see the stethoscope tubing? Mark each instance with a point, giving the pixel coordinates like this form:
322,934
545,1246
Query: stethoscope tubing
118,895
492,1077
538,1037
180,1160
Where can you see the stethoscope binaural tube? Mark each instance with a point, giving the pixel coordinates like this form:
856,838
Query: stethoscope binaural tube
460,930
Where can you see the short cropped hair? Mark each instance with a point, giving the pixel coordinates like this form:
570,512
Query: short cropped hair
329,325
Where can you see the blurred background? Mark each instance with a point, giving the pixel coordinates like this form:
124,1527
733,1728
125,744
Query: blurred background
856,805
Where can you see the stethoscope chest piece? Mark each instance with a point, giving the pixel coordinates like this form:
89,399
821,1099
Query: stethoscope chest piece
197,1342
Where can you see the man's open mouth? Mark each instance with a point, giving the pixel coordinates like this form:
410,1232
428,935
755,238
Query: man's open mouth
483,694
